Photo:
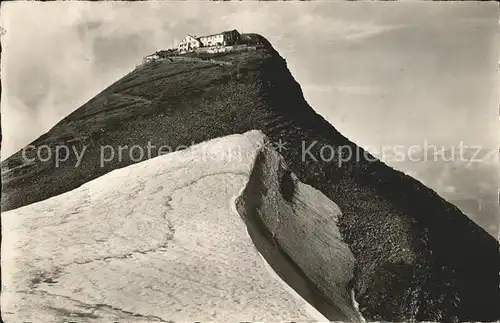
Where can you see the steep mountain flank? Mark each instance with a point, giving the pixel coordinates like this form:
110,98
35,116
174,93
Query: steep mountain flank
418,256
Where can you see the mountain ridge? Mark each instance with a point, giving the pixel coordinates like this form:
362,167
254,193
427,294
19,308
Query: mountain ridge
419,257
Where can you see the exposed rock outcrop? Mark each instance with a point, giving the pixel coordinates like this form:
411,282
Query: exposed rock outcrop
295,227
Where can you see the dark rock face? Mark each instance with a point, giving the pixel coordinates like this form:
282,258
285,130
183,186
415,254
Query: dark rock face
418,257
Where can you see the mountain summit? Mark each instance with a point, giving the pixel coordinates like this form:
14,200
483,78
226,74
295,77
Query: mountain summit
418,257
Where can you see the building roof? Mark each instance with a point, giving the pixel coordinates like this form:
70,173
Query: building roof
221,33
230,31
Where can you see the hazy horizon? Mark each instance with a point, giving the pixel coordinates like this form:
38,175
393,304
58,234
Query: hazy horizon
381,73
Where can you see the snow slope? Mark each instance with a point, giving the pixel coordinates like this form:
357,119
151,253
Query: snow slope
155,241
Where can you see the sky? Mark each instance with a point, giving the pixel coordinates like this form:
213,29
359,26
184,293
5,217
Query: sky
383,73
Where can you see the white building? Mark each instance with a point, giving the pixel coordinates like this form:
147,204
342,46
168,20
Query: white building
212,40
189,43
225,38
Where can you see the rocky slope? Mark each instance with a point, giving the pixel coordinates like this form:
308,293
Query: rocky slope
161,241
418,256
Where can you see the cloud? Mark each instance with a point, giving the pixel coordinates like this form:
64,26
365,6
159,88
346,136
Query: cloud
341,28
348,89
448,189
367,31
23,118
53,63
